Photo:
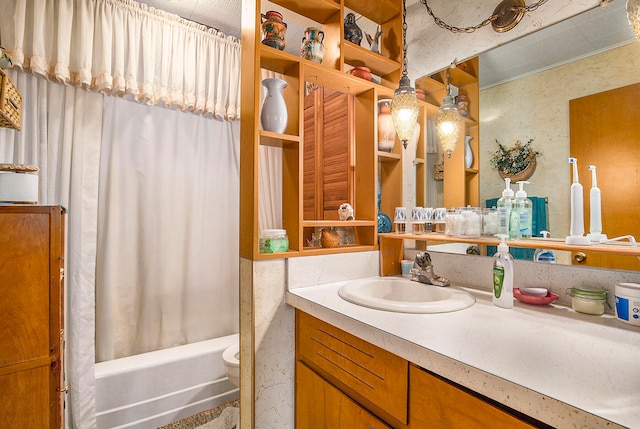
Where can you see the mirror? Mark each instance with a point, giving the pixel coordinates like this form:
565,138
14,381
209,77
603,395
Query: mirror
535,105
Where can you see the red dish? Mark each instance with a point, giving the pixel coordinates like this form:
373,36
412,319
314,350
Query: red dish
535,300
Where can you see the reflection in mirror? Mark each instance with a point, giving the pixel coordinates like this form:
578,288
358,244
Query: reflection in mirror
328,169
536,105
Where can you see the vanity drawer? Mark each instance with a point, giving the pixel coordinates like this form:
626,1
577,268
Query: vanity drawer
371,376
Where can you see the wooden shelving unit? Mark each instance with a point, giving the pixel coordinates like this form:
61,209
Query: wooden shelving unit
340,56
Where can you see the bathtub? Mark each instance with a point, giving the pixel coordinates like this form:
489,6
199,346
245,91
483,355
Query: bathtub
153,389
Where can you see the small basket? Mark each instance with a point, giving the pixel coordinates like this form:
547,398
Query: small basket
521,175
10,103
438,171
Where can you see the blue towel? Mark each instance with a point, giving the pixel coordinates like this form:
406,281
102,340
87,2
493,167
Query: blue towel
538,224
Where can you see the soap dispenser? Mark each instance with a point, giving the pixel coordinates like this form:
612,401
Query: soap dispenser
544,255
521,214
503,275
504,208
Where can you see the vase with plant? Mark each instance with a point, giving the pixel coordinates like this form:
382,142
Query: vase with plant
517,162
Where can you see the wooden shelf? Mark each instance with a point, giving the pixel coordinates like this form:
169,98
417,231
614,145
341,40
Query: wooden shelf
347,248
341,223
388,156
358,56
531,243
379,11
316,10
269,138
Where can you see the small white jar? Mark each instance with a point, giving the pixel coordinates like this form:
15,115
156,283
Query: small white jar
628,303
588,300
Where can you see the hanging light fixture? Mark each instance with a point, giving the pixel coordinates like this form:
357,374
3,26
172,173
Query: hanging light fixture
448,122
404,107
633,15
505,16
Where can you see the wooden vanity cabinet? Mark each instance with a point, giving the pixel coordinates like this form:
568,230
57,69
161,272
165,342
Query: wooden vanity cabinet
343,381
435,403
31,317
319,404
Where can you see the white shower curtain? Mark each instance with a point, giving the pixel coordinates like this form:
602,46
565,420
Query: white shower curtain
60,134
167,266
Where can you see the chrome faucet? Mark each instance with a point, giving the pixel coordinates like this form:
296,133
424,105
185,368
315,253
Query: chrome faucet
424,271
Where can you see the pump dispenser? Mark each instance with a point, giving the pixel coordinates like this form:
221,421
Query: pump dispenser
521,214
595,214
504,208
576,231
544,255
503,275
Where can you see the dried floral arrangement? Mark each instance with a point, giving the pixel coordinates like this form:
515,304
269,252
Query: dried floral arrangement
513,160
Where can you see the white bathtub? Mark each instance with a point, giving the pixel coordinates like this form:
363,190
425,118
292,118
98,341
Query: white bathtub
153,389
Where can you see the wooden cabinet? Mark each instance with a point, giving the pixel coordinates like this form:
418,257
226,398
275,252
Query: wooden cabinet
339,57
31,321
319,404
345,382
437,404
461,186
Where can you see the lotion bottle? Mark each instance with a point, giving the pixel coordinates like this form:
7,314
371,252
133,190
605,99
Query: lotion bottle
504,208
503,275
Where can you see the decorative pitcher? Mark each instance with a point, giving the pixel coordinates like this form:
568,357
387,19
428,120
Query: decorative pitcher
274,29
274,114
386,129
312,47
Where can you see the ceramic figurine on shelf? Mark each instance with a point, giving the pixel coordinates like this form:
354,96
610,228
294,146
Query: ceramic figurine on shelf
345,212
274,30
374,42
5,59
352,32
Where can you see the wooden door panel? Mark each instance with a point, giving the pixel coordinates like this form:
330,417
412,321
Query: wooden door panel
605,132
24,286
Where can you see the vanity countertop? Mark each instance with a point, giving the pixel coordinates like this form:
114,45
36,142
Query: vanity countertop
567,369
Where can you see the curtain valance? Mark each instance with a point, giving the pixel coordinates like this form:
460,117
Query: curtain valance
126,48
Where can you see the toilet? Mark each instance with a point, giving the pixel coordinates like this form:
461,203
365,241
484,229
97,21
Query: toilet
231,358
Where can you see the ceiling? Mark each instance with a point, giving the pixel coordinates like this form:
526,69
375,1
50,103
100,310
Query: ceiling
588,33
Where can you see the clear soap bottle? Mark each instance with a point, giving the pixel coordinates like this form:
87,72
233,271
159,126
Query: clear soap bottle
503,275
520,224
504,208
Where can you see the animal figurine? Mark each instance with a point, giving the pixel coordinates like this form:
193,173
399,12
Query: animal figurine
345,212
352,32
374,42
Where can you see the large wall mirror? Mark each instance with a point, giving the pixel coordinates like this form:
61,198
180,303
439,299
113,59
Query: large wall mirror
526,88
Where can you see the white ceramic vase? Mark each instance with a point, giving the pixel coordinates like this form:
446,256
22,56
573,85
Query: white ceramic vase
468,154
274,114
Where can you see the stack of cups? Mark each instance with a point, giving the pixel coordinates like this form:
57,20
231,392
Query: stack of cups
418,220
400,220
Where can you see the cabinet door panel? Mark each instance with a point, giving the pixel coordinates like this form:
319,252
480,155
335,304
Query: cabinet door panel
321,405
24,396
436,404
24,270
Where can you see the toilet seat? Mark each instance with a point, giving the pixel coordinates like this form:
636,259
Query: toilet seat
231,355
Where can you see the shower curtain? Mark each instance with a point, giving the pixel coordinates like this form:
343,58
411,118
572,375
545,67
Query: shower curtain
167,266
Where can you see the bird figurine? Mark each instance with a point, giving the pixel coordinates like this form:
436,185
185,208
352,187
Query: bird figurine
352,32
345,212
374,42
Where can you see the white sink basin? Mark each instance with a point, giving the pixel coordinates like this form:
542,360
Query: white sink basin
405,296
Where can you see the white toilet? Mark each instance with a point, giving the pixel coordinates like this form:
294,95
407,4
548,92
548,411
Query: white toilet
231,357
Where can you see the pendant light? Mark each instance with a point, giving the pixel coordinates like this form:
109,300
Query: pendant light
404,107
448,122
633,15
